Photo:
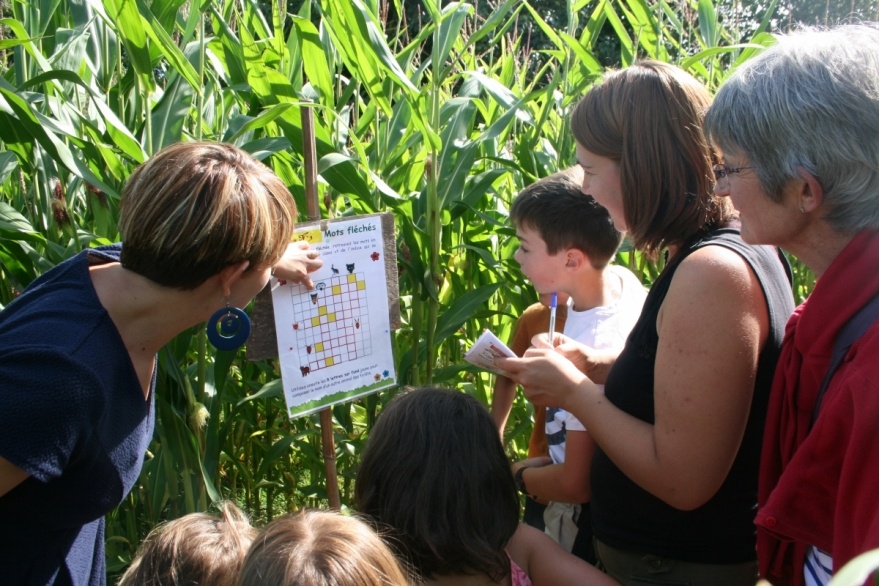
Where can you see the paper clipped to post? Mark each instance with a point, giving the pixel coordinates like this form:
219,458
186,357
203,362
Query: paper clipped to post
334,341
484,352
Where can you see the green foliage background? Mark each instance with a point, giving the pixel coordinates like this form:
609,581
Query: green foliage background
440,123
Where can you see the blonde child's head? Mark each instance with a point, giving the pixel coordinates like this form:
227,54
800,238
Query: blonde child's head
196,549
315,547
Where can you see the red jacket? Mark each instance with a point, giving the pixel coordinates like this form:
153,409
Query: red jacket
818,485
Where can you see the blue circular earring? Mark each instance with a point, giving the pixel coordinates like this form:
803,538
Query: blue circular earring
228,328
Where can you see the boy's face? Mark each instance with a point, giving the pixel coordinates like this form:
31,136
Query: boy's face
545,271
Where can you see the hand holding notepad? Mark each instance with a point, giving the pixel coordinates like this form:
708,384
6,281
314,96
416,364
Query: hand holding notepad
484,352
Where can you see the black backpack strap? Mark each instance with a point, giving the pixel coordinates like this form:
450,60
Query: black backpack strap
851,332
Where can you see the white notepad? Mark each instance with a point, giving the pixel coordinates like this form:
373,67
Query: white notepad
484,352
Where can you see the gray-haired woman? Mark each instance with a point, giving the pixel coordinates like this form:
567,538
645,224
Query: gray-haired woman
798,128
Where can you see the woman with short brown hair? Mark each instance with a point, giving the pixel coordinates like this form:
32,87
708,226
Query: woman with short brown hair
202,226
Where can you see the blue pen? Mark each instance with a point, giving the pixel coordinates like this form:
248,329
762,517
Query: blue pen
552,318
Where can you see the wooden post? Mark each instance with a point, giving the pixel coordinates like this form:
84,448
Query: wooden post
310,162
314,213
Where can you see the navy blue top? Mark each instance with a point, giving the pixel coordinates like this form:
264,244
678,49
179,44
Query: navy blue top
73,416
721,531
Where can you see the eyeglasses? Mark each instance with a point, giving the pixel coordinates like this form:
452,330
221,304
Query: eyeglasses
722,171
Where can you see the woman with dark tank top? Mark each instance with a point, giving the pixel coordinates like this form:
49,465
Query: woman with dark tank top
679,425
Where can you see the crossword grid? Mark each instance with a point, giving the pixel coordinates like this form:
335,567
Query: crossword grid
332,322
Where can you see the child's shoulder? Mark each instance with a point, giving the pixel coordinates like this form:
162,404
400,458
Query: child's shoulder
632,289
536,309
625,274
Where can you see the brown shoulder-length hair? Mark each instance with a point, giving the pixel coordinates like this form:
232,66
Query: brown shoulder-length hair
434,474
649,118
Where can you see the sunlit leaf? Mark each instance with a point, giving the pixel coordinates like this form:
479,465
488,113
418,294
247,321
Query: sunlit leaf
313,58
462,309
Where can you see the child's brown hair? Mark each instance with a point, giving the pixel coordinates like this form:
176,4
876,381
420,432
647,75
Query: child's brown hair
566,218
435,474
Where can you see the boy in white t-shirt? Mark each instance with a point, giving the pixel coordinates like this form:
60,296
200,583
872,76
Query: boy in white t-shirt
566,243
